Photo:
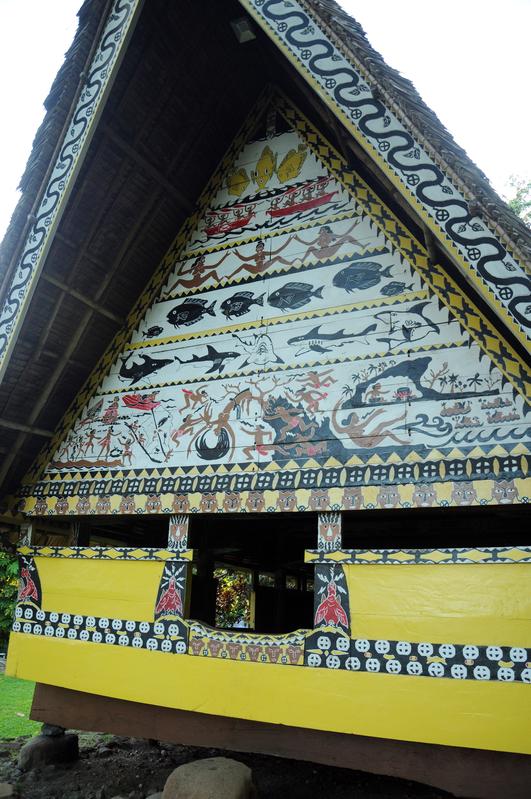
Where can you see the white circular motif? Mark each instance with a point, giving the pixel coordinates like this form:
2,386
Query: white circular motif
393,666
91,621
71,633
470,652
152,644
158,628
447,650
78,620
123,640
110,638
26,628
41,615
173,629
458,671
494,653
436,669
324,642
180,647
54,617
97,637
426,650
506,675
333,662
65,618
372,664
116,624
414,668
403,648
482,672
342,644
166,645
59,632
382,647
353,664
28,613
517,654
16,626
361,645
130,626
143,627
314,660
37,629
526,675
84,635
48,630
103,623
137,642
18,612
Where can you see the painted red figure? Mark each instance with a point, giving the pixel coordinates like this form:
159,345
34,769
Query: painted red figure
28,589
170,601
330,609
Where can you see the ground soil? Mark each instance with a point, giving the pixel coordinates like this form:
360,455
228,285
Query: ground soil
131,768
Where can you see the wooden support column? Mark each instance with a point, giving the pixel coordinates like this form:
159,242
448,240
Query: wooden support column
203,600
27,534
178,531
80,535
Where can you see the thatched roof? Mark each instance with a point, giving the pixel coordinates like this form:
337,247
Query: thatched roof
182,90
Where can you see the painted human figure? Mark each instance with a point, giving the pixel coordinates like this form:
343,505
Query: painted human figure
28,589
127,452
89,441
327,243
170,601
193,398
200,273
260,261
310,397
111,414
105,442
259,434
374,393
318,380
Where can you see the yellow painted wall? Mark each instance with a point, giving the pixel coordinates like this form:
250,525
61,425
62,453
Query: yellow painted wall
469,713
118,589
461,604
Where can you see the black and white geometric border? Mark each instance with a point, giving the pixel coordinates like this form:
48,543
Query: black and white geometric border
416,557
484,259
324,648
73,148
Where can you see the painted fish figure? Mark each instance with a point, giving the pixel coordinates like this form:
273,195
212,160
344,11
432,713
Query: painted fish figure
190,311
239,303
151,332
294,295
407,325
136,371
395,288
361,275
291,164
217,359
265,168
237,181
314,341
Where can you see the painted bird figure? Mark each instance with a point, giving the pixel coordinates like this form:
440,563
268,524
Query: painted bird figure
330,610
28,589
170,600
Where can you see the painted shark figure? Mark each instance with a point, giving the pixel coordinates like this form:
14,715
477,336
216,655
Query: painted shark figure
314,341
407,325
136,371
217,359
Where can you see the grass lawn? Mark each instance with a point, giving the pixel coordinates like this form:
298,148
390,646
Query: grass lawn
15,703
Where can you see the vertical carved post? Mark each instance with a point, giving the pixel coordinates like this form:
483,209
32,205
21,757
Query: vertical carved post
171,596
178,532
329,644
27,534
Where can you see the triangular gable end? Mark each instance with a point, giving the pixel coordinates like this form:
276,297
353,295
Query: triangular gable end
294,346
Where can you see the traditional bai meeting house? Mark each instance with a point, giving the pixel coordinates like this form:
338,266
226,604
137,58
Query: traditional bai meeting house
264,365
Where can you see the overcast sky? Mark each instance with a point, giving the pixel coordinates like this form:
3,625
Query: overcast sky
469,59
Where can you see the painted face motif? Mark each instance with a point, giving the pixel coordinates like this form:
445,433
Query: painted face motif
255,502
504,492
424,495
352,498
464,494
181,503
153,504
103,505
209,503
231,502
388,497
319,499
61,506
127,505
41,506
83,505
287,500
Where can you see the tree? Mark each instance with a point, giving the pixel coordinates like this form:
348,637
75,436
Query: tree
520,201
232,598
8,593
